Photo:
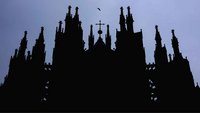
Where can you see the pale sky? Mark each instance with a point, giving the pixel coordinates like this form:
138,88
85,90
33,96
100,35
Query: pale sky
181,15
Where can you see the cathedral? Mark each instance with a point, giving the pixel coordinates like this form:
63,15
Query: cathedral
99,77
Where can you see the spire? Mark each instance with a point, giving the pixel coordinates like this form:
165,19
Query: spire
76,16
173,34
122,20
158,38
108,38
23,46
42,30
68,20
160,55
129,21
129,12
25,34
60,26
41,37
24,39
38,51
77,23
175,45
76,10
91,30
108,31
91,38
121,8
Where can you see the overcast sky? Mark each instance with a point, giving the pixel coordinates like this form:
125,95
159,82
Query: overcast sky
181,15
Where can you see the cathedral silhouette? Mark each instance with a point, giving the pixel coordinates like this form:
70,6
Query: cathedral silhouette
100,77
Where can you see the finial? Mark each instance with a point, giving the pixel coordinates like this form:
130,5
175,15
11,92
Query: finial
42,29
76,10
69,9
25,34
108,32
91,29
129,12
107,26
173,33
156,27
121,10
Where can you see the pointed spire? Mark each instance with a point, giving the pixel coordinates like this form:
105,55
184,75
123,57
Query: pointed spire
122,20
158,38
42,30
41,37
76,10
108,38
175,45
25,34
91,30
108,31
156,28
68,21
24,39
157,33
23,46
129,12
91,38
121,8
173,34
129,21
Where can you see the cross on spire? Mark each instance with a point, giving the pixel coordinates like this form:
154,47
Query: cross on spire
100,24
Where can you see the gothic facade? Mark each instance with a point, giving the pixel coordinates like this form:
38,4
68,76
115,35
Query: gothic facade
98,76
